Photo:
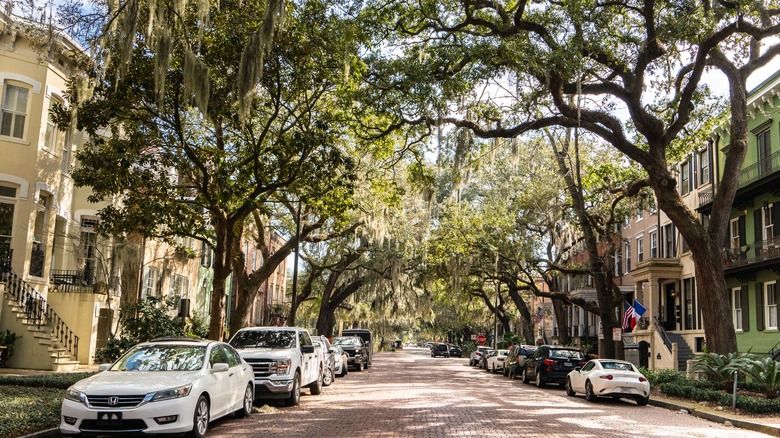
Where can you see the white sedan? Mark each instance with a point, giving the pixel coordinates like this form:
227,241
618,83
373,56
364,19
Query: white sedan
496,361
163,386
609,378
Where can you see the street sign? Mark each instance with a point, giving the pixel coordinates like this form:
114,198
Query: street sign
481,339
617,334
473,337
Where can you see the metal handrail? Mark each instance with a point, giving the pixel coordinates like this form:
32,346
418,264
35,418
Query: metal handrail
38,311
662,331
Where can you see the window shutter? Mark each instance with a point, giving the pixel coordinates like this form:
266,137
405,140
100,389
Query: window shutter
694,169
757,225
712,165
742,237
760,306
745,308
776,219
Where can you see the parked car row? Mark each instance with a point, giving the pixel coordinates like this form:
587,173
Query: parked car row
180,385
445,350
568,367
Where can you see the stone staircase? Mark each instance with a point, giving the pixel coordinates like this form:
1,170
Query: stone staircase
46,334
684,351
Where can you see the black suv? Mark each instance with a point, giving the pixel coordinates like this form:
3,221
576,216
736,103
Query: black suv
440,350
355,349
552,363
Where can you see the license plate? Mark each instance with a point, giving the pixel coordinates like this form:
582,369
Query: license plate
568,364
109,418
626,389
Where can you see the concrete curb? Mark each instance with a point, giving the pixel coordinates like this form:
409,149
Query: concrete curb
48,433
742,424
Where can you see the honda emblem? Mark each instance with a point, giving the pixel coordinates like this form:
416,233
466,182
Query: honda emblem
113,401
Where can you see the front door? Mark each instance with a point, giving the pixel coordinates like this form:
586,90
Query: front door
104,328
669,308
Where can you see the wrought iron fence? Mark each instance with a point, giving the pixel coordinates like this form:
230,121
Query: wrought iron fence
5,259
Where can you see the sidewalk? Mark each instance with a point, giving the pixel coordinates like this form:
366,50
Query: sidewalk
769,425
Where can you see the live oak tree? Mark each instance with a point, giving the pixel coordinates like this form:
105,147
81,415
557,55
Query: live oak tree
188,150
629,72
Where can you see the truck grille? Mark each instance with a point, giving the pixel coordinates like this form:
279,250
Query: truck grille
110,401
262,367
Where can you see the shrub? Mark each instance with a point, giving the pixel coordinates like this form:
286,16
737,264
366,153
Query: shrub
25,410
657,377
720,368
764,372
55,380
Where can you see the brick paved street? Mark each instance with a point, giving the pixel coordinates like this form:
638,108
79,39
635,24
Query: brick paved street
410,394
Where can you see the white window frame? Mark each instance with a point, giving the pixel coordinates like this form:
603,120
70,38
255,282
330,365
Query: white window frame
685,177
734,234
15,112
770,310
180,286
640,248
627,255
736,308
151,276
767,228
654,243
704,166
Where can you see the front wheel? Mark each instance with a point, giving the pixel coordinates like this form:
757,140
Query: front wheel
295,395
643,401
200,419
248,402
328,378
525,376
359,366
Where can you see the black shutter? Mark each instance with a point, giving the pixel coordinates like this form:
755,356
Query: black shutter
760,306
743,297
711,164
742,232
695,169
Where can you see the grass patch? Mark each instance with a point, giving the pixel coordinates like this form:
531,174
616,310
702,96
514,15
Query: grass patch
32,403
25,410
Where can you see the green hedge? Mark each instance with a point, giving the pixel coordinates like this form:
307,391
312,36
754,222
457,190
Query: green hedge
58,380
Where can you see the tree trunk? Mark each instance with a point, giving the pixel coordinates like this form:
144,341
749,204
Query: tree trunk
563,325
526,319
222,270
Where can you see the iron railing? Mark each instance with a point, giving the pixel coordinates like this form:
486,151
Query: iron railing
752,253
747,176
5,259
662,332
73,281
37,258
38,312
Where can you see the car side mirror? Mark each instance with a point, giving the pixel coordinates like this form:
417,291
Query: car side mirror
104,367
307,348
577,369
220,367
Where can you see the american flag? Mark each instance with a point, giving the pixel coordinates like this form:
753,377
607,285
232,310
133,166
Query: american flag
628,316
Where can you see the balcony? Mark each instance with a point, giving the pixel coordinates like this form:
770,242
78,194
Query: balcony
83,281
756,252
751,181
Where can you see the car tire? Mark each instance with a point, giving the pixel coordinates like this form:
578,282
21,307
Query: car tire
295,395
525,375
345,367
642,401
569,391
494,369
589,394
329,377
248,401
316,387
200,418
359,366
539,380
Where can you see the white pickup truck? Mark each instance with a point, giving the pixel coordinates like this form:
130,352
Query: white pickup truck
283,360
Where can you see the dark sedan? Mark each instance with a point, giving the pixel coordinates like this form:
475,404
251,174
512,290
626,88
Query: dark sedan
455,351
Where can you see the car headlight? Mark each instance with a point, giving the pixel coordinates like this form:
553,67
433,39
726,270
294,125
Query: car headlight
283,367
167,394
76,396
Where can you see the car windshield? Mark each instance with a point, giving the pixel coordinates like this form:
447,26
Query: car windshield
264,339
565,354
617,366
345,341
162,358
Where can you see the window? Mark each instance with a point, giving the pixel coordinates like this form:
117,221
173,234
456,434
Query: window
38,253
653,244
179,286
14,111
88,249
150,282
206,255
627,253
764,151
704,165
639,212
639,249
685,176
689,300
6,228
736,308
768,230
770,310
669,251
734,234
54,138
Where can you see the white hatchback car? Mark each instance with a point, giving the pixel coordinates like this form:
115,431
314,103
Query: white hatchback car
167,385
495,362
609,378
